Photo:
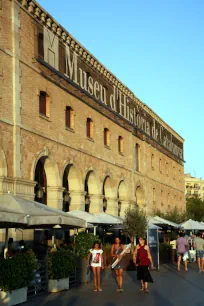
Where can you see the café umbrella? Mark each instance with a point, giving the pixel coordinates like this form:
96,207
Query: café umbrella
18,212
192,225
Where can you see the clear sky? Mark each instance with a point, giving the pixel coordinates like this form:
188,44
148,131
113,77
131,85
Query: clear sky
156,48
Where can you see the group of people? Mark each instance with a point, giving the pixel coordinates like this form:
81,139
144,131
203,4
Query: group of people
182,246
141,258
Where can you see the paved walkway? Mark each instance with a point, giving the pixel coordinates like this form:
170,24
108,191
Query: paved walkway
170,288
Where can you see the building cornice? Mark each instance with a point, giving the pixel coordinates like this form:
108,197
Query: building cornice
37,12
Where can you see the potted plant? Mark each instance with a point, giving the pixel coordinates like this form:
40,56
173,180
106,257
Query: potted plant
165,252
83,244
15,276
60,266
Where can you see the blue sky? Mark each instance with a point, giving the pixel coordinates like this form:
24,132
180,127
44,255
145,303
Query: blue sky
156,48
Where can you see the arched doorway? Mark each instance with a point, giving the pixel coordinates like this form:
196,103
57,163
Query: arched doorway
41,179
91,188
70,183
107,193
140,199
47,189
122,198
3,163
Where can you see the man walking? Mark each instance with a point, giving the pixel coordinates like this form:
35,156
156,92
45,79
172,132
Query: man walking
199,247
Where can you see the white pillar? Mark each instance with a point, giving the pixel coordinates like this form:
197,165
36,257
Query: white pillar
55,197
96,203
124,206
77,200
112,206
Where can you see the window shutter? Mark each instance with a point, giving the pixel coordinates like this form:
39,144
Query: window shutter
41,45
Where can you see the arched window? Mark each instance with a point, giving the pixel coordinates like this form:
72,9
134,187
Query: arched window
152,161
44,104
137,157
120,145
89,128
106,137
69,118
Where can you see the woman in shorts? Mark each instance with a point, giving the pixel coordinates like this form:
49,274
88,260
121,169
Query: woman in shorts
97,264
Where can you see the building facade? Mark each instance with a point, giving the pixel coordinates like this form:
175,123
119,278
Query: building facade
72,136
194,187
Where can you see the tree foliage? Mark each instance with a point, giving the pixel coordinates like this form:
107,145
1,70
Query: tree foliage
61,264
135,222
173,215
84,242
17,272
195,209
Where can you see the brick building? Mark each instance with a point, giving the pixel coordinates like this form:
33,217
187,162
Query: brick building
72,136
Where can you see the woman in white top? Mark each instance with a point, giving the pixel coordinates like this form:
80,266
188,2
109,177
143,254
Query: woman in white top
97,264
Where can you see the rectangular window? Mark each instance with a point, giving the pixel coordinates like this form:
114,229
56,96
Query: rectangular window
42,103
41,45
137,157
88,129
67,117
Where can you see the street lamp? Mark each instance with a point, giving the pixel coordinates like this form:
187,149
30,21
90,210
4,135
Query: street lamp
39,192
104,204
87,203
66,201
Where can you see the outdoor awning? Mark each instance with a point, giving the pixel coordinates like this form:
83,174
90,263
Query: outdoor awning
192,225
99,218
108,219
162,222
9,219
88,217
35,214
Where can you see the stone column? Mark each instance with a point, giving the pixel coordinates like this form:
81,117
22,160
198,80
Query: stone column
55,197
77,200
96,205
112,206
124,206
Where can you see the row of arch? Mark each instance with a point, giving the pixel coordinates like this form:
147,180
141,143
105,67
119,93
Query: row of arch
49,185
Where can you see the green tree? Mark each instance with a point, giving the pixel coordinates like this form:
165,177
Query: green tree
195,209
135,223
173,215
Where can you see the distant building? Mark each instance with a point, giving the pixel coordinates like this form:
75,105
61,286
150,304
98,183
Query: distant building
194,186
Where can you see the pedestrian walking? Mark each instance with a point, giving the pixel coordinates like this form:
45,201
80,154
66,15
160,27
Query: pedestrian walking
95,259
199,247
181,246
143,259
116,250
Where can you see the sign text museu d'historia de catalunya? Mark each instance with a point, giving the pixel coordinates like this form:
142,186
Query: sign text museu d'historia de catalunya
120,103
111,96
